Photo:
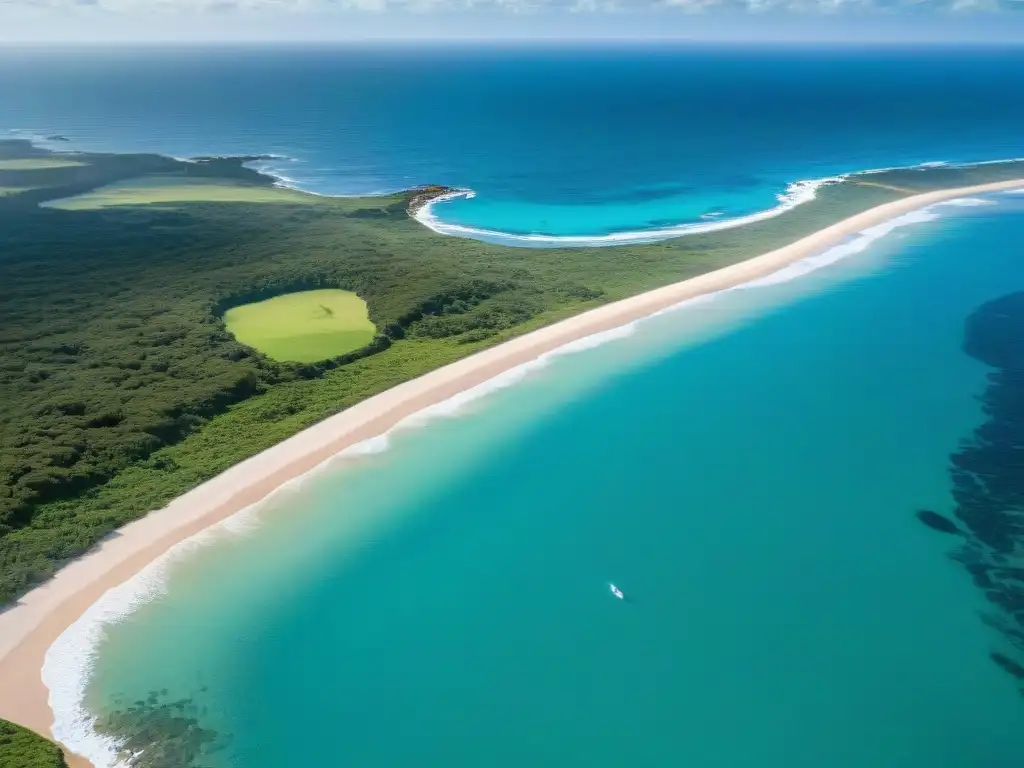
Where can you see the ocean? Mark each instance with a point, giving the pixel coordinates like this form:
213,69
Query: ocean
579,143
747,468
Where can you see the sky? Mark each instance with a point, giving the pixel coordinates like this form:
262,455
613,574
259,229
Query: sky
744,21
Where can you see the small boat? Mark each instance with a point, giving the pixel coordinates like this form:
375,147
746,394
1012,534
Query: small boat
617,592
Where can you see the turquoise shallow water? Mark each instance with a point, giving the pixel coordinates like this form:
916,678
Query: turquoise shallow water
746,469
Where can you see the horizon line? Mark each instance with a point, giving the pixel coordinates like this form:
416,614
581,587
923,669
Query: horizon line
514,40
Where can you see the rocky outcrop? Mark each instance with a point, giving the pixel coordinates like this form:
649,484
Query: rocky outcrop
420,196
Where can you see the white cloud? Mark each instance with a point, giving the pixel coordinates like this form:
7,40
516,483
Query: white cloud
975,5
593,6
319,7
837,7
692,6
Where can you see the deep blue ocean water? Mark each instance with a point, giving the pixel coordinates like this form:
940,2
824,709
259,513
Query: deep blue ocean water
579,141
746,468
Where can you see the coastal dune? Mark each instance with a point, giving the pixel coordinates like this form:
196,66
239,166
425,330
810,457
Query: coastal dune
30,627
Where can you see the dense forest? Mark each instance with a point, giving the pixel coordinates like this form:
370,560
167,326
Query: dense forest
20,748
121,388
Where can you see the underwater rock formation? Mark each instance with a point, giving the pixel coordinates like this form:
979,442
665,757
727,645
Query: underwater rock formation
160,734
987,472
1009,665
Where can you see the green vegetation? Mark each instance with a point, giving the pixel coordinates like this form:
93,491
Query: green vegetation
21,748
171,189
121,387
37,163
303,327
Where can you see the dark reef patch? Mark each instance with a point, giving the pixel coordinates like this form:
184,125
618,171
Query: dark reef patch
1009,665
161,734
987,472
937,522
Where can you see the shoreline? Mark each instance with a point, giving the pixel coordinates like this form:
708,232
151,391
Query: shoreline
423,198
30,627
795,194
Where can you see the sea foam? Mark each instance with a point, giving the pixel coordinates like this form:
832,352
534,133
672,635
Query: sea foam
68,664
70,661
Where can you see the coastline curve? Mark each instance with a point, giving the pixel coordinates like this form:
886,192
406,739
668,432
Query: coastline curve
56,626
796,193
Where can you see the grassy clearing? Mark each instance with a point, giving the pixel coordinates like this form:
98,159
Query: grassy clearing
151,190
38,163
303,327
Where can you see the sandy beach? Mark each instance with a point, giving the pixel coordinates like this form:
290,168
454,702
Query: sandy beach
30,627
